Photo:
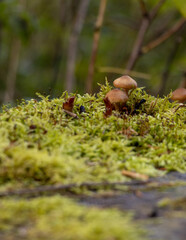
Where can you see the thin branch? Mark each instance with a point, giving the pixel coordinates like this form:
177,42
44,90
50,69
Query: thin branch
70,187
73,44
178,25
156,9
96,37
146,21
70,113
143,8
168,65
124,71
181,105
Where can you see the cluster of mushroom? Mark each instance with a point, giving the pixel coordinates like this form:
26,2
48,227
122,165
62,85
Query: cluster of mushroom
118,97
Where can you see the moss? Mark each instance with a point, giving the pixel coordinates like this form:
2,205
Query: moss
174,204
60,218
41,144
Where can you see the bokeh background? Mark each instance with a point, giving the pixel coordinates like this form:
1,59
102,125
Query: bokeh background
52,46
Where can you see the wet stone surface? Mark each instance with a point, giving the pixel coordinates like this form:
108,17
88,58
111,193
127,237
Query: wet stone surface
161,210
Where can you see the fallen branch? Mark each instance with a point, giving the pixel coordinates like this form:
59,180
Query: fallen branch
69,187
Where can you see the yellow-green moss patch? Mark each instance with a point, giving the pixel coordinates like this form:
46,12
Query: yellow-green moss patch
59,218
40,144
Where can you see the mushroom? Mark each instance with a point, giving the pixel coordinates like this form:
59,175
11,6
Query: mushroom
125,82
179,95
117,98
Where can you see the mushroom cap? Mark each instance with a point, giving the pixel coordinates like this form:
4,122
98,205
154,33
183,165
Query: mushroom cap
117,96
179,94
125,82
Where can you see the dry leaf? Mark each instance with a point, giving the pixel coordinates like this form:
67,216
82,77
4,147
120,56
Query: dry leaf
69,104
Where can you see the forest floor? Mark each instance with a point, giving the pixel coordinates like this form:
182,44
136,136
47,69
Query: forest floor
159,206
73,159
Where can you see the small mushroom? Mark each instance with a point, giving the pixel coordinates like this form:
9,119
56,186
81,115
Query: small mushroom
125,82
117,98
179,95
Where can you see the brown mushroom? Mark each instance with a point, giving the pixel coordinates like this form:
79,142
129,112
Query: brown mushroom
125,82
117,98
179,95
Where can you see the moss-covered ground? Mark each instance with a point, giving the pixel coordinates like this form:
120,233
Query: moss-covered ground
60,218
43,145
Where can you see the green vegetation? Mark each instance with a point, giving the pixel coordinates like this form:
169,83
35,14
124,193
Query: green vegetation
56,218
41,144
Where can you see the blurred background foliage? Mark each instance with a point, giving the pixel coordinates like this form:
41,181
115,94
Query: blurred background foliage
35,38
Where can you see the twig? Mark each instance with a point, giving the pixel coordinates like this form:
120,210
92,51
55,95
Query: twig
96,37
135,175
164,36
70,113
155,10
146,21
181,105
124,71
143,8
73,42
69,187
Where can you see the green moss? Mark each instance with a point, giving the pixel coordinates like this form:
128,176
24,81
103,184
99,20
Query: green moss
41,144
56,218
174,204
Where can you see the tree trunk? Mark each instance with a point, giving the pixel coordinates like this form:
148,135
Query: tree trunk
12,70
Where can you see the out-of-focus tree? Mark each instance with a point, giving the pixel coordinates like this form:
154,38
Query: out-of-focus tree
36,45
73,43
